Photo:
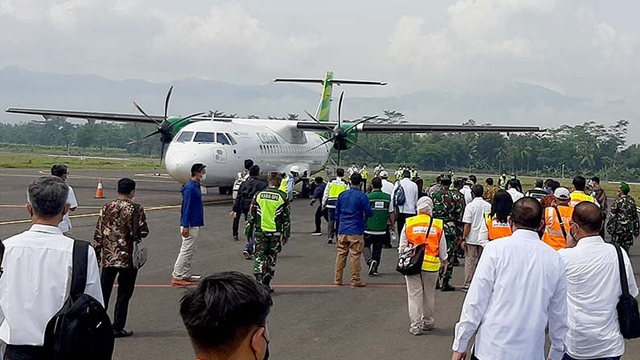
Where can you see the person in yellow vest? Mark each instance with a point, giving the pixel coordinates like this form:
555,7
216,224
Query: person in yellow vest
557,219
578,195
365,175
288,180
496,221
421,287
329,200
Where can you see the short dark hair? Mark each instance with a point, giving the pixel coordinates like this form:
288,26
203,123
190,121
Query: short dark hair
502,205
223,309
319,179
548,183
59,170
588,216
356,179
406,174
376,183
254,170
527,213
579,182
196,168
445,181
538,183
489,181
126,186
248,163
473,178
512,183
48,196
595,179
477,190
554,185
340,172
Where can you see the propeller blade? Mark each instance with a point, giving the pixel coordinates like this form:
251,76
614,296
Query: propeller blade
185,118
340,108
360,147
162,153
323,143
360,122
144,113
150,135
166,102
318,121
338,158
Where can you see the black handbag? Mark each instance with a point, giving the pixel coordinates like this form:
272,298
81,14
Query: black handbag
627,307
410,260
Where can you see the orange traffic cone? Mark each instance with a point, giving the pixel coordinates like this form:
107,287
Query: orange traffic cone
99,191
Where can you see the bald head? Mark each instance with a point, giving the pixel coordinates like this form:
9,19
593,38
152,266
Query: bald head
588,216
527,213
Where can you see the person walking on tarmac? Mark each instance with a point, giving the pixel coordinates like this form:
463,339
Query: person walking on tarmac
365,175
578,195
320,185
624,225
287,182
557,220
496,224
502,181
241,177
269,222
241,205
375,229
448,206
329,200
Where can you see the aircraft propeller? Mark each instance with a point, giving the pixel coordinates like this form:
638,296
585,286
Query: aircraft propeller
340,135
165,127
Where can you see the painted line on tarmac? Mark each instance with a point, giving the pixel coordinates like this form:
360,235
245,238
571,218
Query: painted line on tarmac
150,208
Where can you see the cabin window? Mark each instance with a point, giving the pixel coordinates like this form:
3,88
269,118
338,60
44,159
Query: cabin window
233,141
222,139
205,137
185,136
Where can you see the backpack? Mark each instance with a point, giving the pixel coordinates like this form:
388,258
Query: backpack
81,329
399,196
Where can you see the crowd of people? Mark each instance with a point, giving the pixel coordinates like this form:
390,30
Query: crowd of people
535,261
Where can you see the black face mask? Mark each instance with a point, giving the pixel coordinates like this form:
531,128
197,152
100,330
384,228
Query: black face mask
266,353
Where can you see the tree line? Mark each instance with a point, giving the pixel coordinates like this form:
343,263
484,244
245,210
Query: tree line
589,148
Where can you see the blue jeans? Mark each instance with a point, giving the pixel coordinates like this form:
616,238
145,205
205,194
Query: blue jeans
567,357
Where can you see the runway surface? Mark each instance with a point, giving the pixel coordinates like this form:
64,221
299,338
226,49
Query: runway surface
311,319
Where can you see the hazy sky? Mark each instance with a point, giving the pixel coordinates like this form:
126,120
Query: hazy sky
582,48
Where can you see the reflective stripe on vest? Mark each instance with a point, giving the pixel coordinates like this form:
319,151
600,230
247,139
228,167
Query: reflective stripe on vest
578,197
416,228
269,206
553,235
284,185
496,229
335,189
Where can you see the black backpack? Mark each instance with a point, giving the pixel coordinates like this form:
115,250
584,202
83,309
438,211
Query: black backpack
81,329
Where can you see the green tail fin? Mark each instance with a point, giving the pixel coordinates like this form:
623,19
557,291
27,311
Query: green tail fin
324,108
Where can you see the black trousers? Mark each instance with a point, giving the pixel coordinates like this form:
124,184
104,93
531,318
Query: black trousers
236,225
126,285
319,215
402,218
373,247
24,352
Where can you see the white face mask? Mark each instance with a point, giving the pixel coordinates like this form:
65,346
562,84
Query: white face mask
204,176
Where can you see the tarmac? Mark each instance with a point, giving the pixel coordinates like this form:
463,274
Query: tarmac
310,319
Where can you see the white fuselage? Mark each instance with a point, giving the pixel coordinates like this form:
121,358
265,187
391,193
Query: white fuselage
274,145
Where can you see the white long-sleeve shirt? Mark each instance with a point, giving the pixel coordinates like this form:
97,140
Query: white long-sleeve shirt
36,282
593,290
519,286
411,195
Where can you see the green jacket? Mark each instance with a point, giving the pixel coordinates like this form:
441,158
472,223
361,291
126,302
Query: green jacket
380,203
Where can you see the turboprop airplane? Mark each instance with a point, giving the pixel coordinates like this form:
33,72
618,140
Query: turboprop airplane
222,144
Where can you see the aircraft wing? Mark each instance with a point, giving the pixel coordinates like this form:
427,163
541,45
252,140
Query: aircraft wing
416,128
89,115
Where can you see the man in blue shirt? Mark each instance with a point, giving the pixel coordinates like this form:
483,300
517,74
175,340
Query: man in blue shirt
351,209
192,218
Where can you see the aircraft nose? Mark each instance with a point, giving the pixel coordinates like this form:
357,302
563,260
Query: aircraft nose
178,164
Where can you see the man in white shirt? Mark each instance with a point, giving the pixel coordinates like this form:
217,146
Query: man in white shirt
593,289
408,209
37,272
473,237
62,172
387,186
519,287
466,191
512,186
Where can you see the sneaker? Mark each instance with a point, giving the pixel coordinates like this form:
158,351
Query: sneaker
358,284
375,272
316,233
465,288
415,331
424,327
181,282
447,287
337,283
330,241
235,238
372,267
438,284
247,255
122,333
194,278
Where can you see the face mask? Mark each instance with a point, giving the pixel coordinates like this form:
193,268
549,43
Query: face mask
204,176
266,353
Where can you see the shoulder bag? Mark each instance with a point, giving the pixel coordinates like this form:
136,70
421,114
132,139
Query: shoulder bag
410,260
627,307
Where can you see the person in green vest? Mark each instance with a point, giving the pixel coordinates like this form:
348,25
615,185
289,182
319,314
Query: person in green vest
375,229
502,181
365,175
269,222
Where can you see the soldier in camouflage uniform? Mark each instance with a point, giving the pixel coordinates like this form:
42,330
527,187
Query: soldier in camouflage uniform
623,224
448,205
269,221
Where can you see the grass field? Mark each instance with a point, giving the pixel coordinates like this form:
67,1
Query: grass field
40,161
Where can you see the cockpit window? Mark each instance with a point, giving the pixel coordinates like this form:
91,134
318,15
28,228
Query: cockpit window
205,137
185,136
233,141
222,139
